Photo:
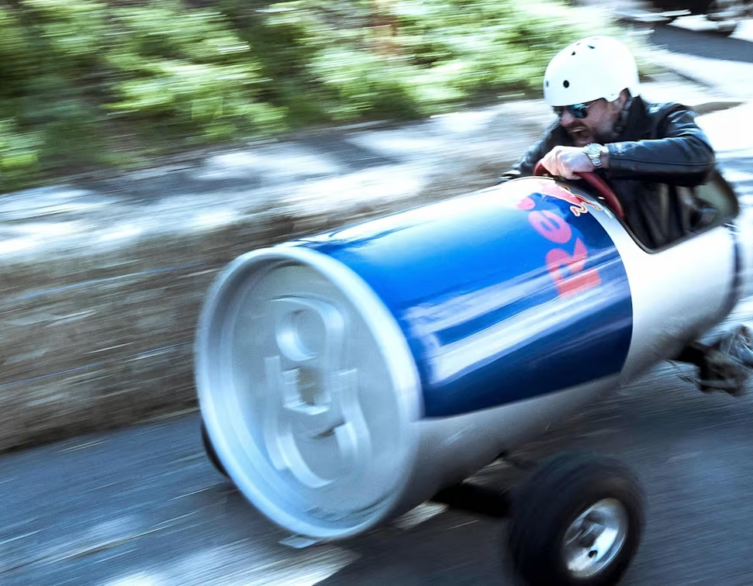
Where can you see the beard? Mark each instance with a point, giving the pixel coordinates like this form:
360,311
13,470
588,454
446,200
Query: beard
583,135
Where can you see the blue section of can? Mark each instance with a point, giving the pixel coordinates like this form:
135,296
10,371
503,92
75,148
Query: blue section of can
502,295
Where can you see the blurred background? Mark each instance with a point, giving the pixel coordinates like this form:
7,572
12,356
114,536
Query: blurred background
116,84
145,144
88,84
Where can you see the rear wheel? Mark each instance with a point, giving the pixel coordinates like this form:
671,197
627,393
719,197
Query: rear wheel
727,15
726,28
577,520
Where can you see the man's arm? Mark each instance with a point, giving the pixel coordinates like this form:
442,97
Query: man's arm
683,156
526,163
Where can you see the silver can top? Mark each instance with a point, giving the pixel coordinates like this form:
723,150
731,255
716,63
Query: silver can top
308,391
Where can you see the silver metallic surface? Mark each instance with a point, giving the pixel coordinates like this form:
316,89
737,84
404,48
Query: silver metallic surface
452,449
595,538
308,391
673,305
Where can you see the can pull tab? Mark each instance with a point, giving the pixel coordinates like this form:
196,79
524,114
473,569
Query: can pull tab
313,397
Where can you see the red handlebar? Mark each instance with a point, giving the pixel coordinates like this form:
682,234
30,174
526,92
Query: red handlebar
598,184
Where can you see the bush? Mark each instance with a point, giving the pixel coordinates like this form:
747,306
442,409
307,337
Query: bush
89,83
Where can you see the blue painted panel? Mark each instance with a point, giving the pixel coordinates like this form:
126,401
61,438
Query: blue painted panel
503,295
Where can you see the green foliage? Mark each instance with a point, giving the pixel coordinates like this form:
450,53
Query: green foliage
89,83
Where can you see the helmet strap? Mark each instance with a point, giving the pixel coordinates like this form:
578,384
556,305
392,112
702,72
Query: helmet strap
619,128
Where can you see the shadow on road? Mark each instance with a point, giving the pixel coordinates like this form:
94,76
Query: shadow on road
707,43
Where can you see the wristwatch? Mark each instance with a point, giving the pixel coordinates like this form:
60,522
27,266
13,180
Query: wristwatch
594,152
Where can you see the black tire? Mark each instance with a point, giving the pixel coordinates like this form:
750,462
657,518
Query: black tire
549,502
211,454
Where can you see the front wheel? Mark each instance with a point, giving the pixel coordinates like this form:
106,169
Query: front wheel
577,520
211,452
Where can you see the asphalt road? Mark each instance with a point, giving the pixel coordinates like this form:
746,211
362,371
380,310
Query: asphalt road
703,55
144,507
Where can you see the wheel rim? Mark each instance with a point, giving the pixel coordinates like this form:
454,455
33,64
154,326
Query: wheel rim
594,539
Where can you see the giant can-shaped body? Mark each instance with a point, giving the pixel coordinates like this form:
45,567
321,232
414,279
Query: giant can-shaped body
345,378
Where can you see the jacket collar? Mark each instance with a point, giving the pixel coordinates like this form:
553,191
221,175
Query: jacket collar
635,124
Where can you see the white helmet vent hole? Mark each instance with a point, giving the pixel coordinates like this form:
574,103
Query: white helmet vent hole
566,83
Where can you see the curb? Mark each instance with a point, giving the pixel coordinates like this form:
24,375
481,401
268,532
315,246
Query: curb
716,106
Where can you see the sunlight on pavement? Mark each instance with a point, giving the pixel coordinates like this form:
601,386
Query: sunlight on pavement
202,569
277,161
464,122
122,233
744,31
729,130
215,219
418,515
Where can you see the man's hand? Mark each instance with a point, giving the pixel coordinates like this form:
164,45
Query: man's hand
565,162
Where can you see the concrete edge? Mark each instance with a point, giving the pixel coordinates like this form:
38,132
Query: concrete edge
716,105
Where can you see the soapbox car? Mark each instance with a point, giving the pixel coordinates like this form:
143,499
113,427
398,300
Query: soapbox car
347,377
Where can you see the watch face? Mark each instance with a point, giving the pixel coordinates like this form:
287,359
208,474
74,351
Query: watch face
593,151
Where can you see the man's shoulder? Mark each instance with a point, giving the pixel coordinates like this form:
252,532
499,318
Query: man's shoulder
661,109
660,116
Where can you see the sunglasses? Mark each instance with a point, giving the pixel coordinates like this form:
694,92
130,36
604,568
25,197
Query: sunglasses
579,111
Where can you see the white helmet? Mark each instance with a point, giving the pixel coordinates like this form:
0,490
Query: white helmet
590,69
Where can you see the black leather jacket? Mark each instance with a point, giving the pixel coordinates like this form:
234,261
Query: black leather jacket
658,155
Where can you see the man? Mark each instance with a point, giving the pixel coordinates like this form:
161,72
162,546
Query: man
652,155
